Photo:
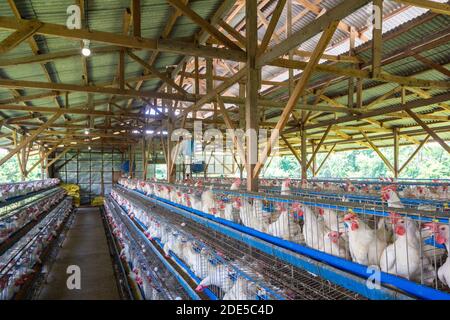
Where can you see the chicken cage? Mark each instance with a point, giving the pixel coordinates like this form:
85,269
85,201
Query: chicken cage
213,273
407,247
154,279
20,263
418,195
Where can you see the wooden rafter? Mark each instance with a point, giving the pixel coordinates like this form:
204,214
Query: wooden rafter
318,146
419,147
298,91
441,8
175,46
19,36
154,71
429,130
230,125
191,14
378,151
29,138
271,27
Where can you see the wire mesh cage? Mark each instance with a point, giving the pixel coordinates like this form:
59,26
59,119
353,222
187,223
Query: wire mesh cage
17,264
405,242
211,269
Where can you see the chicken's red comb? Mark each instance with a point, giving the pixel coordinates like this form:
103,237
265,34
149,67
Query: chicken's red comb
388,188
394,217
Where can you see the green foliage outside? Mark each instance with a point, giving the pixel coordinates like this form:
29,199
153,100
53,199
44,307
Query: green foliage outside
432,162
10,170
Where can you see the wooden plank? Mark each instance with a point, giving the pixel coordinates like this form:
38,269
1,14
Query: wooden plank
380,154
291,148
19,36
318,146
325,159
59,156
235,34
230,125
428,130
163,45
272,25
251,97
298,91
339,12
154,71
414,153
432,64
7,83
396,108
377,36
396,152
441,8
29,138
191,14
136,17
43,157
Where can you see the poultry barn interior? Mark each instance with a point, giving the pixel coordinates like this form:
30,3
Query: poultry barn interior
138,141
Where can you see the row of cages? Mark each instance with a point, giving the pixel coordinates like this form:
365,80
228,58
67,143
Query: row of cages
10,192
21,263
204,270
408,246
431,197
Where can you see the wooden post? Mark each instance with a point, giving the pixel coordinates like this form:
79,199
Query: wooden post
251,99
396,152
136,12
241,120
377,38
351,80
303,154
170,166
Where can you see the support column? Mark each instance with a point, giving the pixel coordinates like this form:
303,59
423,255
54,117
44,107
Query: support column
251,99
396,153
314,155
241,120
170,169
303,154
377,36
351,80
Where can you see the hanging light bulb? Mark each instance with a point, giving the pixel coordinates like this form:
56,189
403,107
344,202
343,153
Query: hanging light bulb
86,51
89,148
86,131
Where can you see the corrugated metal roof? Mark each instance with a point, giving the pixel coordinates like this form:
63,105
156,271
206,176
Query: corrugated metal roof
106,15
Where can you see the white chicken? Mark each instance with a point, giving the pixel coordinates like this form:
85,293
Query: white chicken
313,229
241,290
364,244
285,189
208,201
403,257
236,184
218,275
442,234
336,245
286,227
388,194
251,214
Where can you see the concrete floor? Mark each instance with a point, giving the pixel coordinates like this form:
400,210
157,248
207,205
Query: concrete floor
85,246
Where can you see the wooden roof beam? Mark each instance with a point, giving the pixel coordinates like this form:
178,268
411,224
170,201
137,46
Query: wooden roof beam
428,130
297,92
441,8
208,27
164,45
19,36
